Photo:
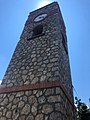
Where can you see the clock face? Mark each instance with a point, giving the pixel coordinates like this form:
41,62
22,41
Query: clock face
40,17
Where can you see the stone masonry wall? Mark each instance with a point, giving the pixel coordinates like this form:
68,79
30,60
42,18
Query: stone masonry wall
42,58
42,104
38,60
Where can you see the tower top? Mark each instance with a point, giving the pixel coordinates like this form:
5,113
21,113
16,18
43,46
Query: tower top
50,9
53,4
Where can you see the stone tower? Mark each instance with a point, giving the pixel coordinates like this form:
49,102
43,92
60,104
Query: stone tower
37,84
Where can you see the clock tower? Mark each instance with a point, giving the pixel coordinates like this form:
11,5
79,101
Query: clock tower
37,84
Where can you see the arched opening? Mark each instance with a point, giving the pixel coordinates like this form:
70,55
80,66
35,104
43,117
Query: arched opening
37,30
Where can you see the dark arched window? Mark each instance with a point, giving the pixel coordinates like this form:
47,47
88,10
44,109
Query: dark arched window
37,30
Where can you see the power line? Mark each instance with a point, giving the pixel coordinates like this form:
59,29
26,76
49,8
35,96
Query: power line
76,92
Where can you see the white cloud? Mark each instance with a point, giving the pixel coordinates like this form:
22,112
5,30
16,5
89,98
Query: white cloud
0,81
43,3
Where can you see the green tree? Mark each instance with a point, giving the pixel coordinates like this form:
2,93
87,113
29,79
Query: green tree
83,112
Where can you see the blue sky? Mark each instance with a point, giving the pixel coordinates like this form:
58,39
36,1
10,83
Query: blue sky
76,14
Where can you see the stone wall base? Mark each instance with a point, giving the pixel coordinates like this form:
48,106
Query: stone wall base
41,104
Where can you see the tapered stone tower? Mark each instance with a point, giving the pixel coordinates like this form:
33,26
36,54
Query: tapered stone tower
37,84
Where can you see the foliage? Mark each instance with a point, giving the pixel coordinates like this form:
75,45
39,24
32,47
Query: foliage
83,112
